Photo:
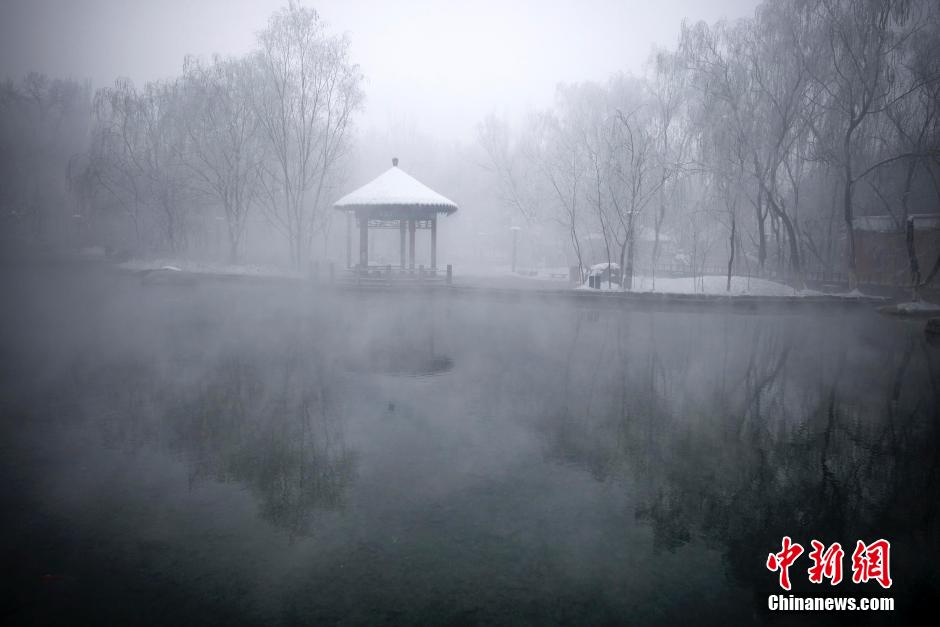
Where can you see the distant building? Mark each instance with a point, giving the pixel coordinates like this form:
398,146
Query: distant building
881,246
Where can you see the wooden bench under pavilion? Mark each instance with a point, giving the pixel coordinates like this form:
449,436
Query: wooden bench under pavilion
393,200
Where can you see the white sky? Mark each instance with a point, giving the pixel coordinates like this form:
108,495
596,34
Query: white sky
437,67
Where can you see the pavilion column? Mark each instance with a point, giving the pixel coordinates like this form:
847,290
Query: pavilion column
349,239
401,232
411,244
433,243
363,240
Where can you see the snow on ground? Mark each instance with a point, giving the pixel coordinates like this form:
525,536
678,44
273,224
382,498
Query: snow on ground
543,278
204,267
712,285
717,285
557,278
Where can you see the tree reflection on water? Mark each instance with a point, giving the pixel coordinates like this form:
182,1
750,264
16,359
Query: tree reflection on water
810,432
567,465
272,422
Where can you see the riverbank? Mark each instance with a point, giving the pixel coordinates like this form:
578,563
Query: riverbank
765,293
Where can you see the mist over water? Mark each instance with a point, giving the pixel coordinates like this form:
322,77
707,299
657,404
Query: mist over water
214,450
469,313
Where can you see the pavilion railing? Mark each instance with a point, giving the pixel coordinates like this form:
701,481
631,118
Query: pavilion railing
389,274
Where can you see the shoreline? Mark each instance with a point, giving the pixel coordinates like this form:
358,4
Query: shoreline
605,298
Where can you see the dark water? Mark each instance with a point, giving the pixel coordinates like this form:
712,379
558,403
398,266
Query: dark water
231,454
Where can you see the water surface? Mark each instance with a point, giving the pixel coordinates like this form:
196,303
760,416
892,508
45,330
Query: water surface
263,454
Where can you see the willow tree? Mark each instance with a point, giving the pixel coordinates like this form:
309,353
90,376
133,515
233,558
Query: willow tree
670,95
866,44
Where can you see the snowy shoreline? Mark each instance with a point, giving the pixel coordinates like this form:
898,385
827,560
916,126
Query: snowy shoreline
680,290
208,268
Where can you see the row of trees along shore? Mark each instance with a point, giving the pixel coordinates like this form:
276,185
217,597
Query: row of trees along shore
267,132
761,138
753,145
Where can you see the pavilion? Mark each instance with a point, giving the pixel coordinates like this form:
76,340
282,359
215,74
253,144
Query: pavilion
394,199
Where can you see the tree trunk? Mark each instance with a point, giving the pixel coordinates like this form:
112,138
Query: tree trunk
623,275
847,209
573,233
909,230
731,256
912,257
795,263
657,229
626,278
761,231
850,232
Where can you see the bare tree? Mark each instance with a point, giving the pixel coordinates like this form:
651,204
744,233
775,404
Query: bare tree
111,160
670,91
512,172
781,78
551,143
138,156
867,43
224,148
305,93
638,175
724,105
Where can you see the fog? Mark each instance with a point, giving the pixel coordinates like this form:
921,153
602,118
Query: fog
468,313
424,63
709,138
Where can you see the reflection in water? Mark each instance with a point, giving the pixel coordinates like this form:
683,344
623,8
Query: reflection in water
269,422
401,361
576,467
813,433
402,346
284,441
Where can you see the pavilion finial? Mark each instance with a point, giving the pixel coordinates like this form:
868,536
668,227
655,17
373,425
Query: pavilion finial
394,162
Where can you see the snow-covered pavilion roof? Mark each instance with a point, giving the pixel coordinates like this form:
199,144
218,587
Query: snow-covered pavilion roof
395,188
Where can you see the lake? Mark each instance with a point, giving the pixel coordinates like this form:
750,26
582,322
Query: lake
229,453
